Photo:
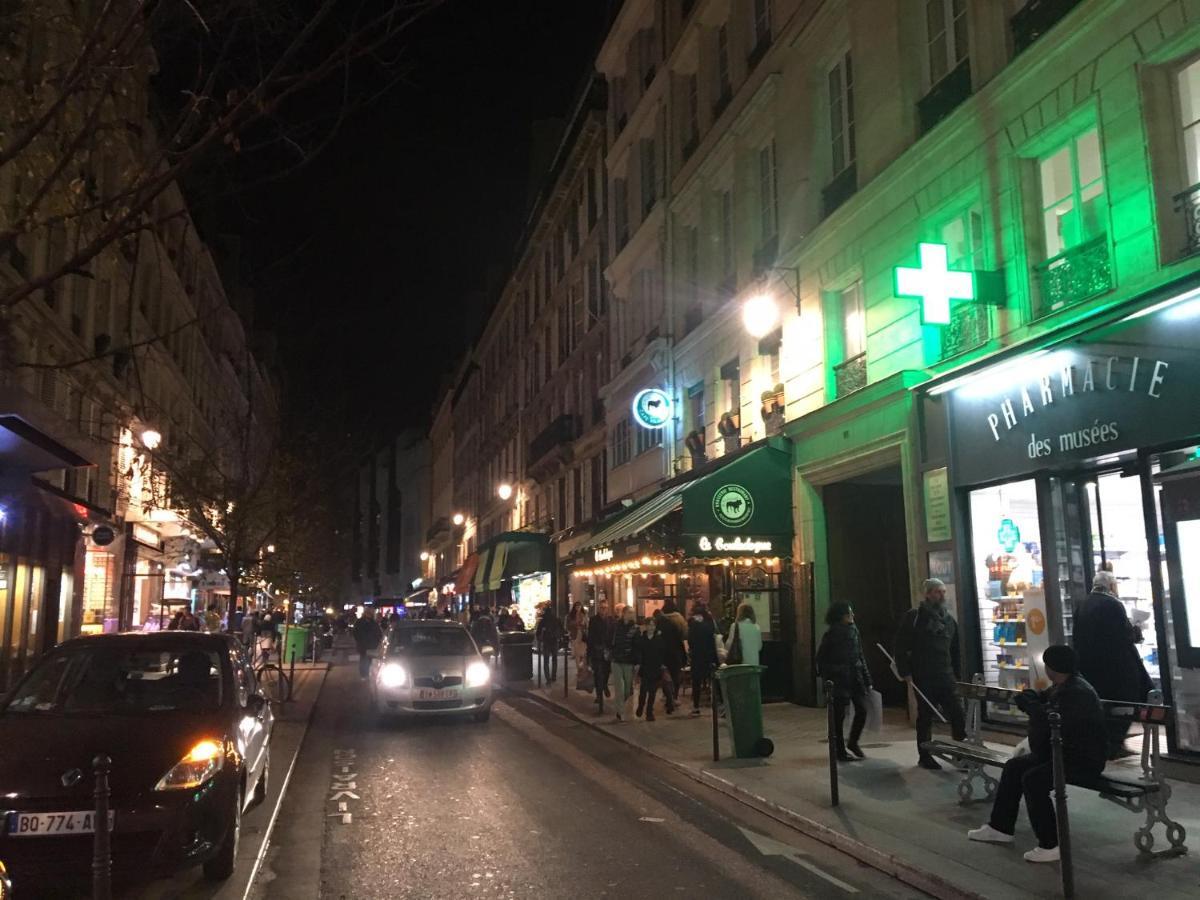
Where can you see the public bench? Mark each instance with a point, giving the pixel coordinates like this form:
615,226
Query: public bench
1147,793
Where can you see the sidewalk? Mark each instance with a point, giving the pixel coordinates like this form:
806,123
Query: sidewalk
904,819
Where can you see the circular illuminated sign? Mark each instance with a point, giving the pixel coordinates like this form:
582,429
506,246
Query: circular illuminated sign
652,408
103,535
733,505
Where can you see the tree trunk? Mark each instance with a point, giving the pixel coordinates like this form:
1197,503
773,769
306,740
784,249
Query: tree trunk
234,580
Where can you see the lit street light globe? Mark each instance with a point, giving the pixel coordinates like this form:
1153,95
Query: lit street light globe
504,491
459,518
424,555
151,439
760,315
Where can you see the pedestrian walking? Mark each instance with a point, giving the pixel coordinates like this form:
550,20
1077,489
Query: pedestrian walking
744,645
599,642
1106,642
484,630
212,619
840,660
1084,741
675,630
927,658
702,648
367,637
624,658
577,620
249,627
651,652
548,634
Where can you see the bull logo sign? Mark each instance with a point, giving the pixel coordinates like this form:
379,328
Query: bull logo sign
733,505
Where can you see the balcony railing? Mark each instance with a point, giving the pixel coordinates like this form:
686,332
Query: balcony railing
851,375
1073,276
1188,203
970,327
945,96
1037,17
561,431
839,190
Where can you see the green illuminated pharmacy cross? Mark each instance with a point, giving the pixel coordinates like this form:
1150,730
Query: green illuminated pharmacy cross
934,284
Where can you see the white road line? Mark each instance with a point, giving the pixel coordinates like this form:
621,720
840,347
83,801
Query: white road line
262,852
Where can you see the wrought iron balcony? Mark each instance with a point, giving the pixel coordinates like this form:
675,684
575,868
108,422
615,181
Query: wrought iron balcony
851,375
1073,276
562,430
1188,203
1035,18
970,327
839,190
945,96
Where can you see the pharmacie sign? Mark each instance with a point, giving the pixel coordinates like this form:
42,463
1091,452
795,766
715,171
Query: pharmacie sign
1131,384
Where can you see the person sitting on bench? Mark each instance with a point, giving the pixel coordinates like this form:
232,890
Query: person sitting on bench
1032,775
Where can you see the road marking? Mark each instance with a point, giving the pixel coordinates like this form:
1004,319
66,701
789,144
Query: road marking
650,819
343,785
342,806
770,847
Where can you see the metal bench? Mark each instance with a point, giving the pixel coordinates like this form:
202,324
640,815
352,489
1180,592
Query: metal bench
1148,793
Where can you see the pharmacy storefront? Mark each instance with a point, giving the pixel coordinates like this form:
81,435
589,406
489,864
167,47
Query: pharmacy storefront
1054,464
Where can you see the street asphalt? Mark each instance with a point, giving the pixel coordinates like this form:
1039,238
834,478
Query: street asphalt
530,804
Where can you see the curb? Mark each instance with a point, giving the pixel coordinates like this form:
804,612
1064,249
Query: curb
887,863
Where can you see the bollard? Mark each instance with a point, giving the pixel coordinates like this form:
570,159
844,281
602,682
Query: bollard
291,677
1066,869
832,728
715,724
566,671
101,840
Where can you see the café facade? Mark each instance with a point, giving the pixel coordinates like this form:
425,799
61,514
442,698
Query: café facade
1046,463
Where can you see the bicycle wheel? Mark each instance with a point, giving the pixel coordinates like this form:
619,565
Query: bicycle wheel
274,683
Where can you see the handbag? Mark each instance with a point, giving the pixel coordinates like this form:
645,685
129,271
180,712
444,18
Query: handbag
733,656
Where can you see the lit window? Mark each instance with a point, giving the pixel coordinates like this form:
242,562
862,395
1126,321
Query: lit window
946,28
1074,206
854,322
1189,112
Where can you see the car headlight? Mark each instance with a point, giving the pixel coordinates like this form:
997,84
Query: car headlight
393,675
201,763
478,674
6,888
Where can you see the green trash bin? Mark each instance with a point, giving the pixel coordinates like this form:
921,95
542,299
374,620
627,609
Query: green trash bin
742,692
295,643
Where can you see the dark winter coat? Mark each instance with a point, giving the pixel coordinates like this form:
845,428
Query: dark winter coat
600,636
1085,740
927,648
367,634
702,642
624,636
1108,656
673,628
549,629
840,660
651,652
484,630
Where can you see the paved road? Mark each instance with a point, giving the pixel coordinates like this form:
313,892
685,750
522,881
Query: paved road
531,804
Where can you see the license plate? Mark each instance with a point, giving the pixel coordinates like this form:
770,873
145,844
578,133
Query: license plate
437,694
43,824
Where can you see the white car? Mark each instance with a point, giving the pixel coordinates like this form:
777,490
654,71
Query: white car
431,668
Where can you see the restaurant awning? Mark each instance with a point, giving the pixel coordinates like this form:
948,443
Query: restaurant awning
511,555
735,507
466,574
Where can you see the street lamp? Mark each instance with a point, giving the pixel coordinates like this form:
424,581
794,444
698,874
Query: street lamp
459,518
151,439
760,315
270,548
504,491
424,555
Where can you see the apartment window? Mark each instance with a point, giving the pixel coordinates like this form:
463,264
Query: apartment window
620,116
1189,111
724,82
767,198
946,30
762,22
593,212
647,439
619,446
649,176
963,237
841,114
726,212
646,56
696,406
597,480
731,376
854,322
1074,204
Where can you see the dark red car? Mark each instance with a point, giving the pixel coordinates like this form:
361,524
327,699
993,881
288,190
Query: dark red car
188,733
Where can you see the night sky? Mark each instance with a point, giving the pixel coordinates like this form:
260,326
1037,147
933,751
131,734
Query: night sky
374,264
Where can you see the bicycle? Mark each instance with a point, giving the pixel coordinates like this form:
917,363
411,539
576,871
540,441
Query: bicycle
272,680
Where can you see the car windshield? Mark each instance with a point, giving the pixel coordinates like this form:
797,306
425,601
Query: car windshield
430,642
107,680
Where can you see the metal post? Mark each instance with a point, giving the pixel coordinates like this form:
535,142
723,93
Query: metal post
101,846
832,728
540,653
715,723
566,670
1066,869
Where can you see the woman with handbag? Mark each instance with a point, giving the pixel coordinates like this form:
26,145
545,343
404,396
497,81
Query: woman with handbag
745,638
840,660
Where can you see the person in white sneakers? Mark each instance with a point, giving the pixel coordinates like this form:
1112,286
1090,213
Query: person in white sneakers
1032,775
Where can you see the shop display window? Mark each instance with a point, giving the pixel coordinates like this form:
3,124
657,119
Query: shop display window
1008,573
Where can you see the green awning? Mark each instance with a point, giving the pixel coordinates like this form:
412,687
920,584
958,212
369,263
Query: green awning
637,519
510,555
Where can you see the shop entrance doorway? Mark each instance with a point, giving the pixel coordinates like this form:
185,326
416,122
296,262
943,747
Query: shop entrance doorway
868,563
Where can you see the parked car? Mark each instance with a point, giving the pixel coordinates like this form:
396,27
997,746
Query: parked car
188,733
429,667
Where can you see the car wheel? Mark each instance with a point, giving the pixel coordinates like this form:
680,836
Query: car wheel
221,866
260,789
482,715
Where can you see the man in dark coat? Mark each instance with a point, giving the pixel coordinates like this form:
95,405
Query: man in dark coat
601,628
484,630
1032,775
1108,657
548,634
702,647
651,653
673,626
927,657
367,636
